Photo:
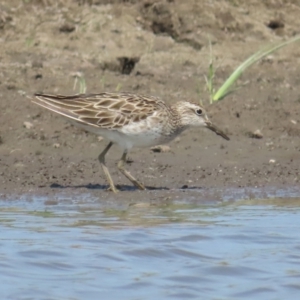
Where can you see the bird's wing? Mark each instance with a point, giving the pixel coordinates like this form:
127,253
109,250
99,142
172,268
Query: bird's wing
105,110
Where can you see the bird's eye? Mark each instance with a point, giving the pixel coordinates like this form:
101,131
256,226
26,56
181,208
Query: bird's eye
199,112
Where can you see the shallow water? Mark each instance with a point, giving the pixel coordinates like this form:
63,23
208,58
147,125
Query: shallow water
80,249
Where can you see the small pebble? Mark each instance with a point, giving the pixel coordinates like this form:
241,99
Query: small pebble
56,145
257,134
269,59
27,125
161,148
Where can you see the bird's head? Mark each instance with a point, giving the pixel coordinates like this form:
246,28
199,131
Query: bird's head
193,115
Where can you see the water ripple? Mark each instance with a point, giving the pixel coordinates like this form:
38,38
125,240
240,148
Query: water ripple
78,250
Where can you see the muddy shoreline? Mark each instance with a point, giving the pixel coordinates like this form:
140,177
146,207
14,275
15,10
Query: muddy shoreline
154,48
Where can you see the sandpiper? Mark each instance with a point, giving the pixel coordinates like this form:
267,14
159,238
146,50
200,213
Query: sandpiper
128,120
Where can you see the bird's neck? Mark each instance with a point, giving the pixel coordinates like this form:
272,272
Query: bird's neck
177,117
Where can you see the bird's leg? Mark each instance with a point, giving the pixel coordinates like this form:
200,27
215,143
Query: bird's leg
101,158
121,164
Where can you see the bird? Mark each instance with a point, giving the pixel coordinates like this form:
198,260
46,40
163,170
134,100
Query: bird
128,120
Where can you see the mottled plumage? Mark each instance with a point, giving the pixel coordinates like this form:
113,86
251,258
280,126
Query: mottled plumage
127,120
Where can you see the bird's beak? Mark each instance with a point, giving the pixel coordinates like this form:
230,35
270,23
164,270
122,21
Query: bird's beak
215,129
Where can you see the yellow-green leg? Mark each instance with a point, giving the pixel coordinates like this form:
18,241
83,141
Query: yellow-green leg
101,158
121,164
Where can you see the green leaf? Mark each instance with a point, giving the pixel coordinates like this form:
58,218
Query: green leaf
224,90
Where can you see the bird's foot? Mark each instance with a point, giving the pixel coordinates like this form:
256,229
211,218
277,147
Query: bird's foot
113,189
